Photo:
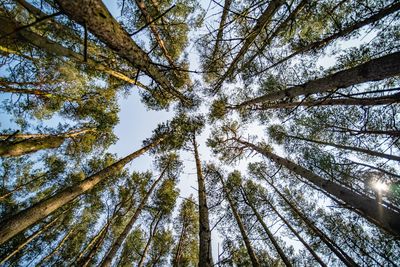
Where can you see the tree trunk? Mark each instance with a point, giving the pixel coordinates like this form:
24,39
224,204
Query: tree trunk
51,47
205,251
346,259
22,220
343,32
25,144
95,15
305,244
57,248
263,21
32,237
118,242
243,232
176,260
373,101
356,149
268,232
152,233
377,214
225,11
338,129
39,93
373,70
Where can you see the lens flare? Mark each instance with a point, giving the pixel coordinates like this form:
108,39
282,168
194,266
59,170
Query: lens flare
380,186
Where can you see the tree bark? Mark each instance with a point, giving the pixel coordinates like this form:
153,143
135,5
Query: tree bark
22,220
9,25
373,101
254,260
351,148
346,259
153,231
26,144
97,18
120,239
263,21
268,232
373,70
371,210
225,11
341,33
205,251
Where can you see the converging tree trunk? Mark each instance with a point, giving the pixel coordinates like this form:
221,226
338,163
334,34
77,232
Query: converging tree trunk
370,209
205,252
120,239
243,232
373,70
22,220
152,231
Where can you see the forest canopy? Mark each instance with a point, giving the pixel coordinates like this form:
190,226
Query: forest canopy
282,147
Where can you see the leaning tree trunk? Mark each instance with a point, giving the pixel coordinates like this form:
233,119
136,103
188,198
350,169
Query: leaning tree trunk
120,239
376,213
24,144
205,252
243,232
262,22
350,148
22,220
341,33
268,232
372,101
152,233
305,244
346,259
373,70
95,16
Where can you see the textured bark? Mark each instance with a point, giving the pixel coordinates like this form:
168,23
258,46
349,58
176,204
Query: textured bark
350,148
205,251
98,20
263,21
120,239
254,260
25,35
370,209
371,101
268,232
343,32
25,144
305,244
346,259
22,220
373,70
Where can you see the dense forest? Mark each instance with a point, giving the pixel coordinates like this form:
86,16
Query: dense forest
286,111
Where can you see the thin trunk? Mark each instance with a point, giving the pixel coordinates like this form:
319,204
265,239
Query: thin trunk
377,214
373,70
351,148
120,239
305,244
57,248
373,101
243,232
176,260
22,220
277,31
268,232
17,188
394,133
205,251
32,237
154,30
152,233
95,15
346,259
30,143
9,25
220,32
341,33
24,91
263,21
